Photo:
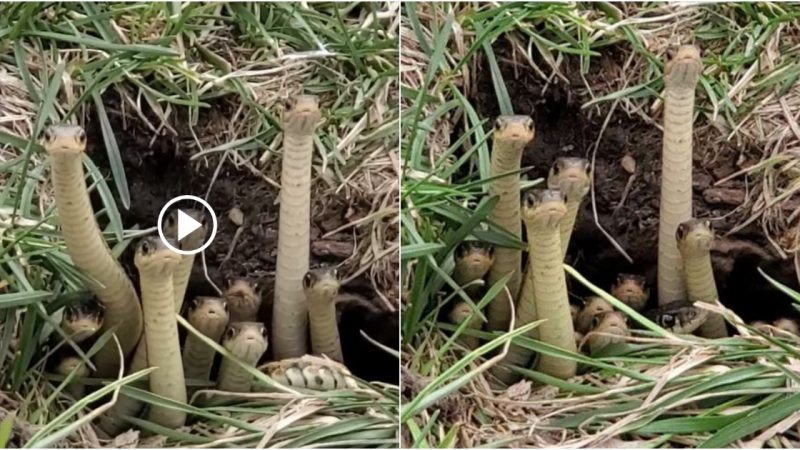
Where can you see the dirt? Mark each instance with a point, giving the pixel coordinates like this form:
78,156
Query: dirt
160,169
564,129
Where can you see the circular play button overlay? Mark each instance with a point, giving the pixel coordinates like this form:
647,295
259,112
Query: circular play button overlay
181,217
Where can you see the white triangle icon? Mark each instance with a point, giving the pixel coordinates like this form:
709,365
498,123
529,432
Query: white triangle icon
186,224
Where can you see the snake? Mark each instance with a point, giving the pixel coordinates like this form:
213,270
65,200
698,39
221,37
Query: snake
694,242
542,212
321,287
65,145
594,307
193,240
473,259
608,328
308,372
511,135
573,176
209,316
787,324
290,311
82,320
680,80
243,300
248,342
632,290
65,366
679,317
156,264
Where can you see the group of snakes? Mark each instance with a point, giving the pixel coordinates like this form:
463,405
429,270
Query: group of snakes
146,332
539,290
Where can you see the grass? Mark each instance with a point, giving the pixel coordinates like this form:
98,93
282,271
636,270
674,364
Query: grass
657,390
166,67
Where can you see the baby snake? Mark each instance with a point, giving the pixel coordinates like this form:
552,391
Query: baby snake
321,287
209,315
243,300
694,242
82,320
290,311
631,290
573,177
248,342
511,135
309,372
473,260
89,251
608,328
65,366
594,307
680,79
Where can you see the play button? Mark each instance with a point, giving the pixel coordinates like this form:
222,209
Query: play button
180,218
186,225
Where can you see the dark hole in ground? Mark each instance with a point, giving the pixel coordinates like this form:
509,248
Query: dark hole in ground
160,169
563,129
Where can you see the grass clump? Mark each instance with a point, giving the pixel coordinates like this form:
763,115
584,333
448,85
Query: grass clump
657,389
211,77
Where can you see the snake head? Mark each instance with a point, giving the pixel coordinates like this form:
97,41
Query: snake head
247,340
543,207
461,312
302,115
787,324
573,176
684,69
322,282
517,130
206,308
192,240
83,319
64,139
593,307
682,318
154,257
695,237
613,322
475,253
632,290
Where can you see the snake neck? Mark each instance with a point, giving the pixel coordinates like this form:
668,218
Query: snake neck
568,224
180,280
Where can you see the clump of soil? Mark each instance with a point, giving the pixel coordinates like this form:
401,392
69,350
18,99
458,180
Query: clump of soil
564,129
160,169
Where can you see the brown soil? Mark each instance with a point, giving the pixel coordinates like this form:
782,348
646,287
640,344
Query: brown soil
563,129
160,169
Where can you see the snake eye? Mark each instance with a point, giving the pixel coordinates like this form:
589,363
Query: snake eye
145,246
667,321
499,124
680,233
707,224
225,306
48,134
335,273
308,279
595,321
263,332
529,123
82,137
230,333
588,169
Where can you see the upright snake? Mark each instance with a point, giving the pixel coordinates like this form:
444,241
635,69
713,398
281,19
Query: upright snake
243,300
89,251
321,287
680,79
156,264
65,366
248,342
473,259
694,242
609,327
82,320
309,372
594,307
209,316
290,311
191,241
511,135
573,177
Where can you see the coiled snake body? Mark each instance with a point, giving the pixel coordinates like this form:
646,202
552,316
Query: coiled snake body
511,135
309,372
321,287
290,312
680,79
248,342
209,315
694,242
89,251
82,320
156,264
